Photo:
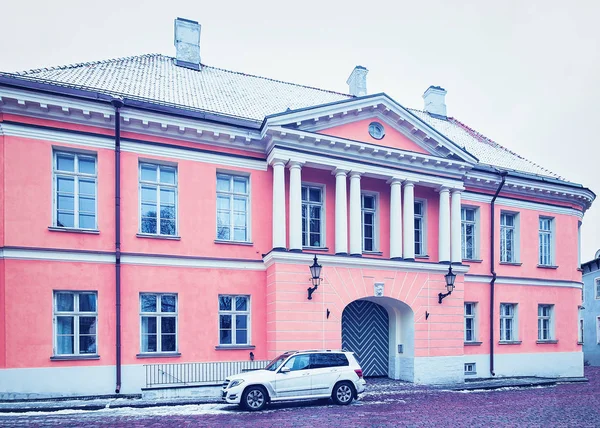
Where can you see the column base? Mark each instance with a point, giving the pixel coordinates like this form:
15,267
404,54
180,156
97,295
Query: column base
456,263
295,250
444,262
397,259
279,249
341,254
356,255
409,259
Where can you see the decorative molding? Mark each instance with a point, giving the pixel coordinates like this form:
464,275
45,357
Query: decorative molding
523,281
515,203
359,262
56,255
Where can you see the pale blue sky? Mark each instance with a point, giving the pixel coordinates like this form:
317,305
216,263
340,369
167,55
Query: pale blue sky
523,73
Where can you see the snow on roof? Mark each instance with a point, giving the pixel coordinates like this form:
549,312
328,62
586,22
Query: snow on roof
155,78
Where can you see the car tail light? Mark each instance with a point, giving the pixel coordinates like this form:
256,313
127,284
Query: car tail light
359,373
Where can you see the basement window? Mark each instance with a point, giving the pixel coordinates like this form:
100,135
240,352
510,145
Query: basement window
470,369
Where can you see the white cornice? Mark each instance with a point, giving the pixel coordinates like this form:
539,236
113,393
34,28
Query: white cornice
56,255
359,262
382,103
96,141
515,203
523,281
323,161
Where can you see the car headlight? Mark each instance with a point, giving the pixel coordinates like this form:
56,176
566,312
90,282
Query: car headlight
235,383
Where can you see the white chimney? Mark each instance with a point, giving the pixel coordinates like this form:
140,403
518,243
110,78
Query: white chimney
435,101
187,43
358,81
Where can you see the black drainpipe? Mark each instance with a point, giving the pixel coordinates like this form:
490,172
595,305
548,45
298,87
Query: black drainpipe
503,174
117,104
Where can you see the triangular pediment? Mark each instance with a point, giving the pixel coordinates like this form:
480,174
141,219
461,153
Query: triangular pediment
352,120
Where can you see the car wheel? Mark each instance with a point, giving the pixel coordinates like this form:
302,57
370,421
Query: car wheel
254,398
342,393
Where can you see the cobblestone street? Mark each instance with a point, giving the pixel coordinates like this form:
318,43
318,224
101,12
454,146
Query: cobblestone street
566,405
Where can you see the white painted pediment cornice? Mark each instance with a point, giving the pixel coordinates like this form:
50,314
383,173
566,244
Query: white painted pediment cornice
380,105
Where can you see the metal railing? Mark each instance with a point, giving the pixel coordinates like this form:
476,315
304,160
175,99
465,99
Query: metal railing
196,373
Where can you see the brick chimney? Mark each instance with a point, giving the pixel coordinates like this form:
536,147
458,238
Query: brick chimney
187,43
358,81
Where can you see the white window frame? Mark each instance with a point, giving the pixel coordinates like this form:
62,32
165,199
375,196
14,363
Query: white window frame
76,176
423,218
580,333
470,368
76,314
323,217
158,185
475,224
545,322
232,196
598,330
546,254
159,314
473,318
503,321
233,312
515,256
375,212
597,288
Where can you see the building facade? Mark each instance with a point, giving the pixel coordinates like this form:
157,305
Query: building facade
158,212
590,312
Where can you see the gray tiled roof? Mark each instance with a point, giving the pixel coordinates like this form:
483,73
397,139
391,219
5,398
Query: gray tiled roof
155,78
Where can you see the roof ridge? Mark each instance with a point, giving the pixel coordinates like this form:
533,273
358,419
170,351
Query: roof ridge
482,138
279,81
84,64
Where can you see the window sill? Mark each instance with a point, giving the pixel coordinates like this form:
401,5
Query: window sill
509,342
470,373
74,357
372,253
220,241
472,260
511,263
73,230
547,267
580,343
424,256
473,343
234,347
315,248
543,342
167,237
159,355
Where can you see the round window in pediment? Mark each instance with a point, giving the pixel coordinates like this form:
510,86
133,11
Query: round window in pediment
376,130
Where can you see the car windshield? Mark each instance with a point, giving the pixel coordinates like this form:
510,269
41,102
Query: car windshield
274,365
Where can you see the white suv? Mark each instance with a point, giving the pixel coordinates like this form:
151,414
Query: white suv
298,375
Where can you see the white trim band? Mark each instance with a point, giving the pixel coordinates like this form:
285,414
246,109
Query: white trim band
523,281
477,197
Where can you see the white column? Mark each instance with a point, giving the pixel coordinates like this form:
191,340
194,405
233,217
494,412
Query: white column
278,204
355,215
295,206
444,228
455,220
409,220
341,213
395,219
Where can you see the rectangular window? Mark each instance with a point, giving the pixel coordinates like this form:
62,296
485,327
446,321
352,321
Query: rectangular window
545,241
598,330
597,283
234,320
369,213
507,237
470,369
233,208
75,204
158,320
312,216
158,199
545,322
75,321
507,322
419,228
470,322
468,233
580,335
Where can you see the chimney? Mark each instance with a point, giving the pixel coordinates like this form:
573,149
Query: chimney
187,43
435,101
358,81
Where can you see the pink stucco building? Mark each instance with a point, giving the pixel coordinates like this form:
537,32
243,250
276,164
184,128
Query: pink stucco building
159,216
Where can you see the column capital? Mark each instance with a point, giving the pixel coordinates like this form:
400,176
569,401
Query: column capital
443,188
355,174
337,172
395,180
409,183
277,161
295,164
457,191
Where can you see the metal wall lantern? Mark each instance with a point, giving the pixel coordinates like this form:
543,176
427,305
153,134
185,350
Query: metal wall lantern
450,277
315,271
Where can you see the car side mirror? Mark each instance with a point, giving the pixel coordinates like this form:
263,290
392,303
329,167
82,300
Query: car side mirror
284,370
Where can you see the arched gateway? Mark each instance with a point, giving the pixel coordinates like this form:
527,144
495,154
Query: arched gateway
380,330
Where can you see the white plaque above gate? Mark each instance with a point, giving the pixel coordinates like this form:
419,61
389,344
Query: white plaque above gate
378,289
